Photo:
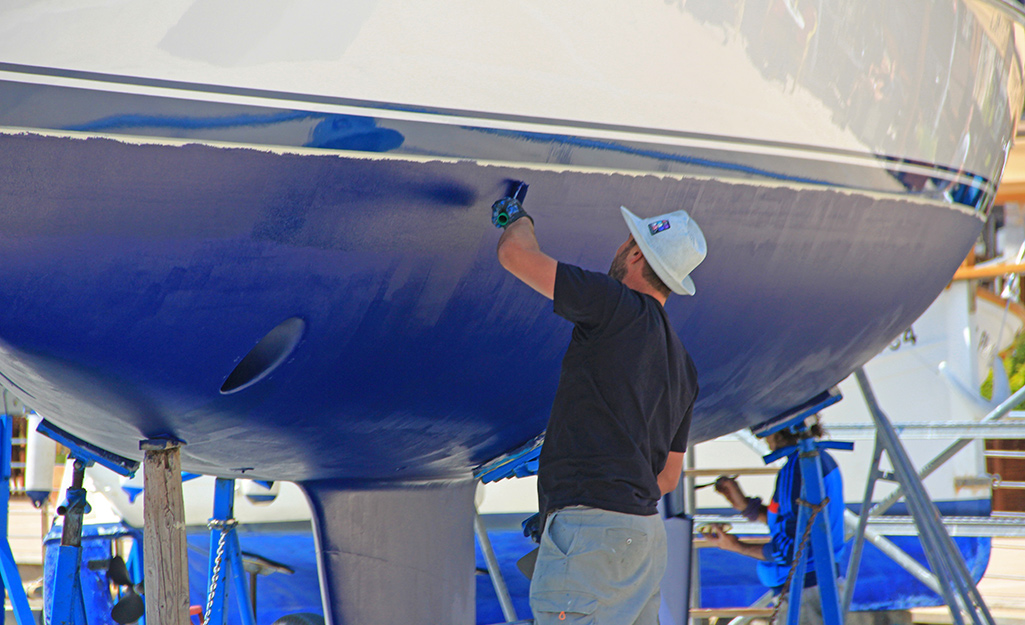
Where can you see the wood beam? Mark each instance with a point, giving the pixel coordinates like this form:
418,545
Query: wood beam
991,271
164,546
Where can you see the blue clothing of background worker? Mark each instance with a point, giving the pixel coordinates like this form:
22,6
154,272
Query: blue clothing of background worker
775,558
620,419
781,516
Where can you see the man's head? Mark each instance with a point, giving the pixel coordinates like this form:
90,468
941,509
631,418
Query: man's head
621,266
788,438
672,245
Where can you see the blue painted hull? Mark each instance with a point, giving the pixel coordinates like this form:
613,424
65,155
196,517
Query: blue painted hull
138,275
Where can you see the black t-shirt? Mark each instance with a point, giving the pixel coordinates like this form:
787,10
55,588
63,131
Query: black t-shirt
625,396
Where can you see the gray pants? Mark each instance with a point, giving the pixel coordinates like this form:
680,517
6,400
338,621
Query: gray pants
598,567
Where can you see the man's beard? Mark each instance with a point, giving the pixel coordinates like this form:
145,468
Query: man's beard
618,269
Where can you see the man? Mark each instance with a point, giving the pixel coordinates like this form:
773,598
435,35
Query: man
619,423
775,558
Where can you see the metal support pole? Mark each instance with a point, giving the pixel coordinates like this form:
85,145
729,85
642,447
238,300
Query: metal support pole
943,556
6,436
226,560
691,508
859,542
68,606
224,508
504,600
239,578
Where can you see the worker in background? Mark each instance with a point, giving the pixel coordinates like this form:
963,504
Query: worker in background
619,422
776,557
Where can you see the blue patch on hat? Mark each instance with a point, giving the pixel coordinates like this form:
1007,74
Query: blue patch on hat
658,226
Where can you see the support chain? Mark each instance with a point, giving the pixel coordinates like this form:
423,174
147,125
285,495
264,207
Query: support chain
225,526
815,509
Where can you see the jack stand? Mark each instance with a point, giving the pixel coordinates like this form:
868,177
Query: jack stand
68,606
8,568
956,584
225,557
813,492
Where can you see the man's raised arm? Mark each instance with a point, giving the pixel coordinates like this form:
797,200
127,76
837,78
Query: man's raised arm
520,254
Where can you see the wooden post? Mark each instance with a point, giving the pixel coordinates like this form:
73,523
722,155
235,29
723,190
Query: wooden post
164,546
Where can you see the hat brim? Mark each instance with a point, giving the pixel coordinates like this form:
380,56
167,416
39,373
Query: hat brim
636,225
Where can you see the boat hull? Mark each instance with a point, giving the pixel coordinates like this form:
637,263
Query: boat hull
141,274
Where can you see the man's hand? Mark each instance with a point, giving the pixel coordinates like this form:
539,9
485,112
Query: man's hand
507,211
716,535
728,488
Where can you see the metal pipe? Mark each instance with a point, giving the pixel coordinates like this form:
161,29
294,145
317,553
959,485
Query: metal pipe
1004,453
1008,485
859,543
934,430
504,600
691,506
71,532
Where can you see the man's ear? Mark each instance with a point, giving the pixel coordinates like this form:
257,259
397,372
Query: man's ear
635,255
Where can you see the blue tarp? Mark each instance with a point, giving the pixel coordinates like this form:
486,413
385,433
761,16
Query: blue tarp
727,579
277,594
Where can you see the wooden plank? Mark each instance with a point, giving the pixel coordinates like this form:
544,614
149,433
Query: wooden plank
701,543
991,271
718,472
1010,192
167,584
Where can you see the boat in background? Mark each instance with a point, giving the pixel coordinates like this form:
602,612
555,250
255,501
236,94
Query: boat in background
265,233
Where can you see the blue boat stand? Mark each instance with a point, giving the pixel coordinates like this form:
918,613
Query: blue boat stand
225,559
813,494
68,607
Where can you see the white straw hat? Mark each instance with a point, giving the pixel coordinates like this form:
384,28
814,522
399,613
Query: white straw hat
673,245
